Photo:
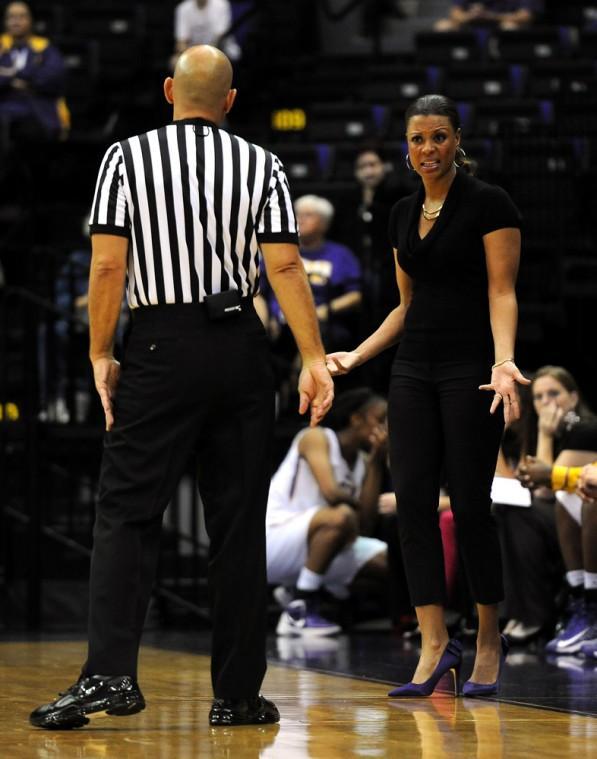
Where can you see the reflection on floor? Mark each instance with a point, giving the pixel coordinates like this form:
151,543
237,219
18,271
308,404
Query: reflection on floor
323,716
530,677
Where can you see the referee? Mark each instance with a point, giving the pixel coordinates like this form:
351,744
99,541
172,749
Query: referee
182,213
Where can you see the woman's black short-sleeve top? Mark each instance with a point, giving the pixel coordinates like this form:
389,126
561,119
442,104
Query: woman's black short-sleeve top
448,317
581,436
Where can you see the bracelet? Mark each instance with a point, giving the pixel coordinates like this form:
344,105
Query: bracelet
499,363
559,477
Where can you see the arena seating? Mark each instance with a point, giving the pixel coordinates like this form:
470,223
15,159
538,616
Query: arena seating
527,100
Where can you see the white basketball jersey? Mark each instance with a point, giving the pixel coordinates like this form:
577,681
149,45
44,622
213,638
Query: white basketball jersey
294,489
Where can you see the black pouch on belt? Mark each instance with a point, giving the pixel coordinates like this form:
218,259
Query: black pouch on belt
224,305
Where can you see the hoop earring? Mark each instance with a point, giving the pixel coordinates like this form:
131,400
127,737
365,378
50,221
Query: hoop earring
461,155
409,165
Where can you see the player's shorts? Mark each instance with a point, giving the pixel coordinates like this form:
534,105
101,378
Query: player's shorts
572,503
287,553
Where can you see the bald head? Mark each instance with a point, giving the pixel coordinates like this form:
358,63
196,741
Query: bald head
201,83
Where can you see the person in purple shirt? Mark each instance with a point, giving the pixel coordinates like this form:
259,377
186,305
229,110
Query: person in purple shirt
505,14
333,270
32,106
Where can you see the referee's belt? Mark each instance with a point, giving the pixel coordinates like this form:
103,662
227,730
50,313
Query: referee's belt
217,307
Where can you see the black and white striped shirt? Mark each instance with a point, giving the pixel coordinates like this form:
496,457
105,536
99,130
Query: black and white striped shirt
195,202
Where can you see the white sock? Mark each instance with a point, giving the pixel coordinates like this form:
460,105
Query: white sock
575,578
590,580
308,580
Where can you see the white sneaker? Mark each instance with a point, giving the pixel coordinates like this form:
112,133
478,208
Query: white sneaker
510,625
520,633
282,596
298,619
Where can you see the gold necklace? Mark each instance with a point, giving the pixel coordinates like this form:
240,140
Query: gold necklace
431,215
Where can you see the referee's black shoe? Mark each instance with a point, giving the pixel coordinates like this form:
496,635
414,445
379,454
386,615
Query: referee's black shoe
116,695
243,711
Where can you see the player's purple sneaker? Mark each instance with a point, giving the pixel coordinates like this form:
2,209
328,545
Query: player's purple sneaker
571,636
588,646
302,618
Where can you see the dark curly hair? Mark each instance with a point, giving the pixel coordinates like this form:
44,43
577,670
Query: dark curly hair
359,399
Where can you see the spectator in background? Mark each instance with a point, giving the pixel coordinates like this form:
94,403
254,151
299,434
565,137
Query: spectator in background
64,375
577,533
32,106
530,549
333,270
362,223
505,14
204,22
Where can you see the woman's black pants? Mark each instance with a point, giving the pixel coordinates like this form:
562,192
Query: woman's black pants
438,418
188,385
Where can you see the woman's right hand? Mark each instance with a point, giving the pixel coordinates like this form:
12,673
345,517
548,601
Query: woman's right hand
342,362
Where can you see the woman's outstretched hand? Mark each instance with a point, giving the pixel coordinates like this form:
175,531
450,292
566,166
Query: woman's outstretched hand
504,380
342,362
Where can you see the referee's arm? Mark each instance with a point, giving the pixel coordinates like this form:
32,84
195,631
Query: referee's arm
286,275
107,278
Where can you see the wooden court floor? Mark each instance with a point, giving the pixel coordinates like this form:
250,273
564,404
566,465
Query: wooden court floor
323,717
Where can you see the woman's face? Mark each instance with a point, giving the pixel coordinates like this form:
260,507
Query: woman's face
369,169
548,391
432,144
311,223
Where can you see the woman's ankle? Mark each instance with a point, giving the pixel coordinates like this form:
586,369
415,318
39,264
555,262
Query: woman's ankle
435,645
490,639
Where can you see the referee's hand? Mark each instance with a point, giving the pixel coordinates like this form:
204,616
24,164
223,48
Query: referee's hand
316,390
106,372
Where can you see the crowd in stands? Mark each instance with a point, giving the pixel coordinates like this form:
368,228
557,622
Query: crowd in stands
508,15
205,22
331,501
32,82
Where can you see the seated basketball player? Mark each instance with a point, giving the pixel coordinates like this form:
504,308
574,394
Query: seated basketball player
322,503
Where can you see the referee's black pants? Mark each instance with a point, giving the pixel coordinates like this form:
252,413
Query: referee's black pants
438,416
187,384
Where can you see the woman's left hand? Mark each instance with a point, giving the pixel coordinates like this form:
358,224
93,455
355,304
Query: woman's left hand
504,379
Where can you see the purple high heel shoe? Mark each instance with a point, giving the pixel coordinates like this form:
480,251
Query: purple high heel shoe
471,689
450,661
